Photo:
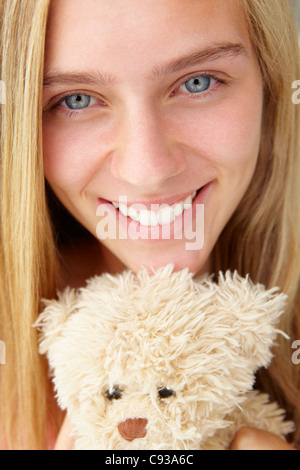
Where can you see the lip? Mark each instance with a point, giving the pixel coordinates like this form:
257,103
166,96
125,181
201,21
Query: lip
147,204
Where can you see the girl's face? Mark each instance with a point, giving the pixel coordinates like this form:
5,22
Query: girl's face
150,101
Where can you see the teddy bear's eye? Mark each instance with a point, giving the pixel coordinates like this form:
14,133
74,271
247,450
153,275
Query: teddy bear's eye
165,392
115,394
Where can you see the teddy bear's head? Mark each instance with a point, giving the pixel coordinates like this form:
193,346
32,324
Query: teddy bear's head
156,361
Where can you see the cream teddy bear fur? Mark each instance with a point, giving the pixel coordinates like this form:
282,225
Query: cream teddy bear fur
162,360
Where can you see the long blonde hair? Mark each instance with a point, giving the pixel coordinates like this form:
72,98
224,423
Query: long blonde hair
27,263
262,238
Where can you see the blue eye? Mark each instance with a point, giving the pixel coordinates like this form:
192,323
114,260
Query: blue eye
76,102
198,84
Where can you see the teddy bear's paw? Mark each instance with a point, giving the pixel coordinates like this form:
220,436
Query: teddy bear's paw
256,412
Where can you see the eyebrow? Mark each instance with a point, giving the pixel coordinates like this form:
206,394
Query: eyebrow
212,53
55,77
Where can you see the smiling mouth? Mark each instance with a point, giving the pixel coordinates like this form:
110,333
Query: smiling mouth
159,214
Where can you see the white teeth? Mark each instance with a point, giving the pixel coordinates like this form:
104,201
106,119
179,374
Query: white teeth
167,215
148,218
164,216
132,213
123,209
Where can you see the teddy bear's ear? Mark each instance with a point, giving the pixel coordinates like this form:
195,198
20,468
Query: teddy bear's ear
51,321
253,314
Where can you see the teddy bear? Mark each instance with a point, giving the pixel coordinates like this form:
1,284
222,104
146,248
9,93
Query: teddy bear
162,360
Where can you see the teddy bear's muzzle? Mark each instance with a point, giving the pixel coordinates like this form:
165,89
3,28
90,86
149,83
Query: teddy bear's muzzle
133,428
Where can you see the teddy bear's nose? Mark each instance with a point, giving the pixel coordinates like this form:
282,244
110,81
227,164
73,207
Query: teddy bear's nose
133,428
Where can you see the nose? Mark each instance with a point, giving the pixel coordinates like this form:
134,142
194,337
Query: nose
133,428
146,154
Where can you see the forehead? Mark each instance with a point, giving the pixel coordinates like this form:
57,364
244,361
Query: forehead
134,35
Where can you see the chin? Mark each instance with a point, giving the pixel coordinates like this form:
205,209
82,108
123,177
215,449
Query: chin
197,262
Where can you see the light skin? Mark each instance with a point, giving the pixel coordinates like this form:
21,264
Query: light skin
161,112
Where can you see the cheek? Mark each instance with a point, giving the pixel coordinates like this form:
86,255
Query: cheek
70,153
61,163
227,134
237,138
